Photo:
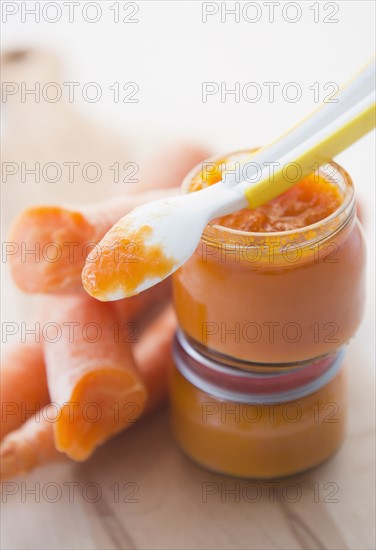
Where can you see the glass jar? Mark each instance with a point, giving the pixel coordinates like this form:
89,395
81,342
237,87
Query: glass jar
275,299
256,425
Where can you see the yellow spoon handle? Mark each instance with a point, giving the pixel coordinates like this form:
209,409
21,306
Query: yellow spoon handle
314,141
314,152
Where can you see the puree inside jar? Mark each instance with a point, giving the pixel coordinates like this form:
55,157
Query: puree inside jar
309,201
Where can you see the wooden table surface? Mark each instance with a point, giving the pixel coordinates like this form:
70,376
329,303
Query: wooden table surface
140,492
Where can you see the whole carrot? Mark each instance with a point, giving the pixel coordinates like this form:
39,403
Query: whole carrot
48,245
23,388
91,376
32,445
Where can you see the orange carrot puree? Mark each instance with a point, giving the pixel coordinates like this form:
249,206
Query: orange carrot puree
309,201
258,440
126,263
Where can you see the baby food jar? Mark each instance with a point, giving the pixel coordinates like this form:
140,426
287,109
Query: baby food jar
276,297
256,425
263,317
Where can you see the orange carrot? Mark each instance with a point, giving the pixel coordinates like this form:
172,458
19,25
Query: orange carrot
23,385
168,168
153,356
91,376
29,446
23,388
48,245
33,444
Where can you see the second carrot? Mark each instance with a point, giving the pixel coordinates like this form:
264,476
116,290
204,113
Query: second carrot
91,375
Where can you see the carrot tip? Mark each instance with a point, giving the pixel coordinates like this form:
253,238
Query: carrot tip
48,247
98,416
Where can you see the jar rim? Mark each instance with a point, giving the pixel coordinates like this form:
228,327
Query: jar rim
319,230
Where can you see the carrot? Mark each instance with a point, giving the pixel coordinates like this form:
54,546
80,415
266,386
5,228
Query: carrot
168,168
33,444
48,245
23,388
23,385
153,356
91,375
